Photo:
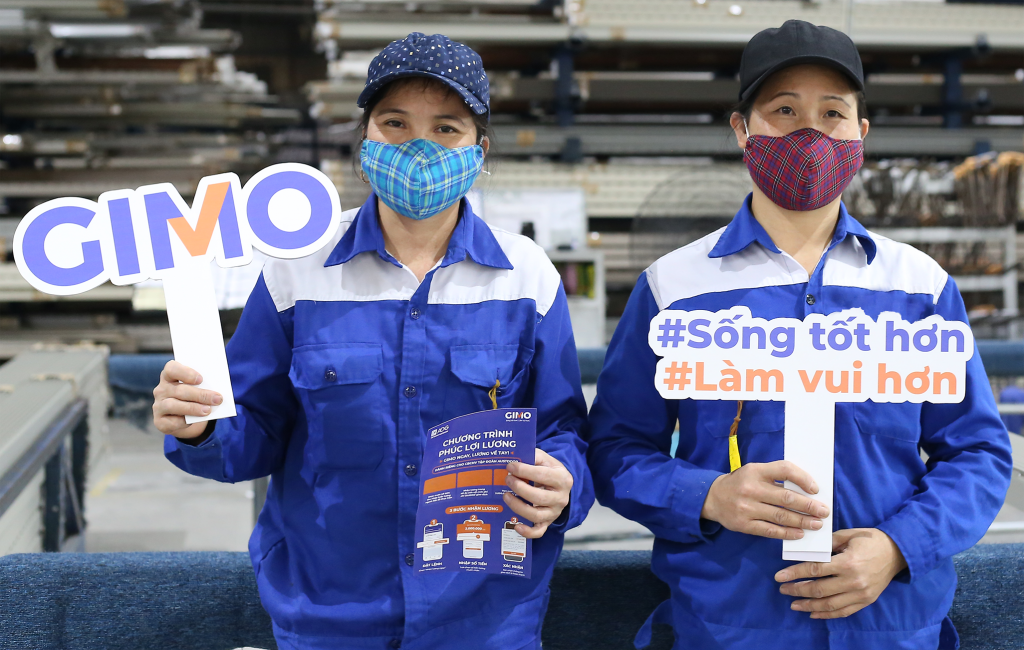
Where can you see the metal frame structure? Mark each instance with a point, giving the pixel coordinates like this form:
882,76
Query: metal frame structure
58,452
1005,282
899,25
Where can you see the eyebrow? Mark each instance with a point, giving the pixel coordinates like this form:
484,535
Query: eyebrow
447,116
836,97
444,116
789,93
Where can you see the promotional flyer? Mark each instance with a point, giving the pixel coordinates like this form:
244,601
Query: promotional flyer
462,523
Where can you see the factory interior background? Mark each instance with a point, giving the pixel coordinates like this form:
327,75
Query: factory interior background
611,148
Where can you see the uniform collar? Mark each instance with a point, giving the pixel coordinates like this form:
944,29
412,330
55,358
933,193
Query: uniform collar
471,237
744,230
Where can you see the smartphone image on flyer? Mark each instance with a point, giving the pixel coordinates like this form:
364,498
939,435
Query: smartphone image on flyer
473,533
513,545
433,541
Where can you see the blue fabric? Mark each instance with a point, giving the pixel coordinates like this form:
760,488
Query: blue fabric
472,238
132,378
1003,358
420,178
745,230
130,601
208,601
434,57
333,401
930,511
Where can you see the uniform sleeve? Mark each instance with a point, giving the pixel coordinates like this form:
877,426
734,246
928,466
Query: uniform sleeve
631,427
252,444
557,395
968,470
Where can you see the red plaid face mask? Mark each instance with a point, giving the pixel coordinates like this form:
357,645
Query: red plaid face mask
803,170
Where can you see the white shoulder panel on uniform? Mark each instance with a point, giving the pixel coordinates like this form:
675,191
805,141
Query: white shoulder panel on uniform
688,271
365,278
896,267
533,277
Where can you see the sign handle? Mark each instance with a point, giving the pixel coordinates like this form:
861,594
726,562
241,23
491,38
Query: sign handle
196,333
810,445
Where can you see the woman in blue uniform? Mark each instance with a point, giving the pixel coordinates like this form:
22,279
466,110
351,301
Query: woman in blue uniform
418,312
793,250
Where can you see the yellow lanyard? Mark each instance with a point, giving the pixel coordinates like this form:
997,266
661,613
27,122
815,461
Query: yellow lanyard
734,447
493,393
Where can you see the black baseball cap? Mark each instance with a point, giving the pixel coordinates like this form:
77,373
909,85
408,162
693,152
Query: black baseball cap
795,43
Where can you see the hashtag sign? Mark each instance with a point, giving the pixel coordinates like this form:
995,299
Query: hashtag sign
671,333
677,376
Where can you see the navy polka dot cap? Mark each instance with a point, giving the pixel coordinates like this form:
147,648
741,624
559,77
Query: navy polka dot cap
437,57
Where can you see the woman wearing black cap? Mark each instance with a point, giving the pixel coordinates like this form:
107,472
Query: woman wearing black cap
793,250
417,313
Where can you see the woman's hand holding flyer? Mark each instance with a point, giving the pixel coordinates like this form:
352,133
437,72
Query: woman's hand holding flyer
549,493
465,494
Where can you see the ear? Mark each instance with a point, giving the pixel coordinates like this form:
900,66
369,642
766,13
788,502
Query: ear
485,144
736,122
865,126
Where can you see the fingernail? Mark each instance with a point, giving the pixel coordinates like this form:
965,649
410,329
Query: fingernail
199,378
217,399
799,534
822,511
814,488
205,410
782,576
795,606
816,525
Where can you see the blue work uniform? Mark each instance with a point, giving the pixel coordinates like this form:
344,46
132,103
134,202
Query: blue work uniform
724,594
340,362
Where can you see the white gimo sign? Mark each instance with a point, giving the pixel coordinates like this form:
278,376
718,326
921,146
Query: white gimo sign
810,365
70,245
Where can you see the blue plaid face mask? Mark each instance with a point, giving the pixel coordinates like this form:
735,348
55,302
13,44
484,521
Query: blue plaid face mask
420,178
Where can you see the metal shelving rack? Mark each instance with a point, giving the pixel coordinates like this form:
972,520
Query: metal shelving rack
666,56
586,312
96,96
1005,282
712,22
618,98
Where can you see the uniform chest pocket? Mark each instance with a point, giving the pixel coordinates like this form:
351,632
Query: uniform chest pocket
343,396
899,421
716,417
478,369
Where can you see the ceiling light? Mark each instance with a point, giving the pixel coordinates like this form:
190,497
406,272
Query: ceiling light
177,52
97,30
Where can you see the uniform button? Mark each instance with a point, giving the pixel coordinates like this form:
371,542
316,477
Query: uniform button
415,313
409,559
410,391
330,375
410,470
396,643
810,299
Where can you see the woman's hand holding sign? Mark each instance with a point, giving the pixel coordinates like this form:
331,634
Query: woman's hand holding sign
865,563
178,395
750,501
549,493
